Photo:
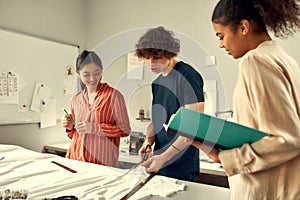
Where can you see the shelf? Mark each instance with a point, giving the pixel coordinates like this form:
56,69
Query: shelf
143,119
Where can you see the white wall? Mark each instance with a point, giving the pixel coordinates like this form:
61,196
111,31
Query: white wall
59,20
108,18
90,22
192,18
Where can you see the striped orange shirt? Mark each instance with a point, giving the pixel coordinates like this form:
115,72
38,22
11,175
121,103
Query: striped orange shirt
109,118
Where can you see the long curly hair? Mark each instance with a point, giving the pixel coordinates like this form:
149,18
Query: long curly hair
279,16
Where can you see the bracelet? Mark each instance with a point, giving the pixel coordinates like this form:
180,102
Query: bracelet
175,148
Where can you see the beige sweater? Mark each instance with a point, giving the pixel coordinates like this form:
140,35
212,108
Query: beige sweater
267,97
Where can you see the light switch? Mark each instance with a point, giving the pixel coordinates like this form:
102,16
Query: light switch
210,61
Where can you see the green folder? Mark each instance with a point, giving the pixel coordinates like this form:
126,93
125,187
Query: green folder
212,131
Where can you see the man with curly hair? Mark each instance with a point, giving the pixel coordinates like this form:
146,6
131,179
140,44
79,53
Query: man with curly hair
178,85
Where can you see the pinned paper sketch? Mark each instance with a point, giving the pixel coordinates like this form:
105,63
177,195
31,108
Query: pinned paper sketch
48,113
134,67
44,103
69,84
9,88
69,81
41,94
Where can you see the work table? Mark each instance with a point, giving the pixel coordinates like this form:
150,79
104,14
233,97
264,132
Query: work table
210,173
46,175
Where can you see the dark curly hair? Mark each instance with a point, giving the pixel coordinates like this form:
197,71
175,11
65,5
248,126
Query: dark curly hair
279,16
157,43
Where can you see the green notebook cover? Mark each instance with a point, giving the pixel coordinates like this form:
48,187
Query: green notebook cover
212,131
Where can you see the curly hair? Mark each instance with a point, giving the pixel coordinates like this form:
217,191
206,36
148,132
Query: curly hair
157,43
279,16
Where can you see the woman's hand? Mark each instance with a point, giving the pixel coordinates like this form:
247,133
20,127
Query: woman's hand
83,127
211,152
67,123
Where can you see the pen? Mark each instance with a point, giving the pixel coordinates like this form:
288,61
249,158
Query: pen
72,120
65,167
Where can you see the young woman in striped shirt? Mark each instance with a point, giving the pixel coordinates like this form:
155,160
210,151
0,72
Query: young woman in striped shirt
99,113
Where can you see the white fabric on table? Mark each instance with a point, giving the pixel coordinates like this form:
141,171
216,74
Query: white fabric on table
23,169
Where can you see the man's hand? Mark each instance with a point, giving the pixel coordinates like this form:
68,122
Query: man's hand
144,149
154,163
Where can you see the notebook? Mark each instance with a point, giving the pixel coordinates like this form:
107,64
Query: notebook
212,131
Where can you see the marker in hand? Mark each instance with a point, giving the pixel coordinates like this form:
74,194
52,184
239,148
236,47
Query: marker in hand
72,120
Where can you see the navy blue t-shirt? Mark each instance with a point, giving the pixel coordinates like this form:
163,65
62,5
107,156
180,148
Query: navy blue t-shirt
183,85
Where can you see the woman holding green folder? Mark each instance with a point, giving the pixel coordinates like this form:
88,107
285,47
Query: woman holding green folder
266,97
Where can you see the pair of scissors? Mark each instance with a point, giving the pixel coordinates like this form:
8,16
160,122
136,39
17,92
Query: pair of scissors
142,183
144,158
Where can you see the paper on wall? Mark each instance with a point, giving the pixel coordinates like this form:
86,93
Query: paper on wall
48,113
40,95
9,87
69,82
134,67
